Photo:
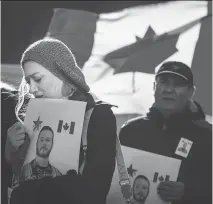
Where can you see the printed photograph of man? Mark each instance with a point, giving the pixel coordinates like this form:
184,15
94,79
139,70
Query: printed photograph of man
40,166
183,148
140,189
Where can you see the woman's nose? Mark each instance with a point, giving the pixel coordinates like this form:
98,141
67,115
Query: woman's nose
33,87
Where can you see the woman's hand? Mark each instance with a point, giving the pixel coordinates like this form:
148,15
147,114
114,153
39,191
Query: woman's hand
16,134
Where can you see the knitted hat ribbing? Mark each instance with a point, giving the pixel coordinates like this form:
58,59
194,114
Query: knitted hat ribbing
55,56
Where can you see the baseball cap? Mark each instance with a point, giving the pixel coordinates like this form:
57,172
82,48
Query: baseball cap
177,68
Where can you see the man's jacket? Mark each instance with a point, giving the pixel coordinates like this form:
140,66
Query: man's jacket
153,133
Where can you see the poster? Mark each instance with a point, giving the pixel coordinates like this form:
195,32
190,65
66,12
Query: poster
146,170
54,127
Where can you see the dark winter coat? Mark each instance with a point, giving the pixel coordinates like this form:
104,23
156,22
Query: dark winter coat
153,134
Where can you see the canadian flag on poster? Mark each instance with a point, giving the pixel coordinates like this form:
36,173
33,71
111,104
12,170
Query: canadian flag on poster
64,126
104,45
160,177
146,170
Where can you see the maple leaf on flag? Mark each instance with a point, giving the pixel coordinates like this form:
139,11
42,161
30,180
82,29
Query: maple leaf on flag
147,53
161,178
143,55
149,33
66,126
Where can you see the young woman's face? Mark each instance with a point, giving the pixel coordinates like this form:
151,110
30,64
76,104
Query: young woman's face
42,83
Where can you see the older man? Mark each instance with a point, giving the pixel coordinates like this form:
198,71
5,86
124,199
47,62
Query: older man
175,127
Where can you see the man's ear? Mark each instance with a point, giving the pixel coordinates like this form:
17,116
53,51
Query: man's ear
192,91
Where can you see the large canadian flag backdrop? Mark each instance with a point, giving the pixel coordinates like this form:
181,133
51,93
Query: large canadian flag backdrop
143,38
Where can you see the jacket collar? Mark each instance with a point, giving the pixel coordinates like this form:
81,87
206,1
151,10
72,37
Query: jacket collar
191,113
98,103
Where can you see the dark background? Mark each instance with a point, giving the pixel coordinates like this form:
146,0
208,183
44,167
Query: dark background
27,21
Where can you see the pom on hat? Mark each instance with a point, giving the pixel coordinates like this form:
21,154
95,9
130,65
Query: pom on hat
55,56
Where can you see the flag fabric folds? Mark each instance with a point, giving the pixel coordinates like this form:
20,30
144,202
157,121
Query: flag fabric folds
92,37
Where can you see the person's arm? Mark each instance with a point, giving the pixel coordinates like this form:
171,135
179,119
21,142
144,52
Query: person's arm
100,163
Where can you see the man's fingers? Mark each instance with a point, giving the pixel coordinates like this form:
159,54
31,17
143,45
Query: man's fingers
169,190
168,183
164,188
167,198
167,193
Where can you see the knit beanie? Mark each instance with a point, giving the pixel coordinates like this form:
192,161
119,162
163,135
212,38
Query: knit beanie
55,56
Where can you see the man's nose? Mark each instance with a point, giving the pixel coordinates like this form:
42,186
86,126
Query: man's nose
169,88
44,145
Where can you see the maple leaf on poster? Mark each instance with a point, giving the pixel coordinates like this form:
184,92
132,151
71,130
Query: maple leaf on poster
66,126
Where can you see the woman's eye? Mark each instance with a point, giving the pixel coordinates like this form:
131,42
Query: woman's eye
38,80
27,80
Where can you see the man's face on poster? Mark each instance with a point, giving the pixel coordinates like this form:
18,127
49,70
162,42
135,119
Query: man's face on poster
44,143
140,189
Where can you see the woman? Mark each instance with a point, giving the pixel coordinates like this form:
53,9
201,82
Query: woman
50,71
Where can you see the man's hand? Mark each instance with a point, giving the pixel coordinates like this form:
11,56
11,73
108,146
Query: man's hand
170,191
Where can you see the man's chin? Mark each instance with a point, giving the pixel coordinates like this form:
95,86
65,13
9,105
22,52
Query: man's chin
168,107
43,155
141,199
170,103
